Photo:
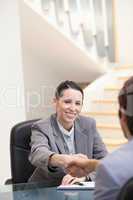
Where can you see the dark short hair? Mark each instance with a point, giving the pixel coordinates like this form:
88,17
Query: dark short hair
67,85
125,100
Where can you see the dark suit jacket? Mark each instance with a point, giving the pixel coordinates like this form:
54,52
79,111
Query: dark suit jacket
47,139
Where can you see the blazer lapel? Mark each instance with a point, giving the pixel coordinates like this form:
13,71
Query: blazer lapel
80,139
59,140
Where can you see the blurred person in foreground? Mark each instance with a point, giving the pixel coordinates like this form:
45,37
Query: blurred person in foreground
114,170
63,137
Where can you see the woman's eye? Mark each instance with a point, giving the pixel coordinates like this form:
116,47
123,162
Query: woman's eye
78,103
67,101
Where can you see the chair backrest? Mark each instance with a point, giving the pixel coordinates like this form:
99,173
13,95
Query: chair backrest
126,192
21,168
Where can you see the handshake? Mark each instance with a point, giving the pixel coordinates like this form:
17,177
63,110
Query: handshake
76,164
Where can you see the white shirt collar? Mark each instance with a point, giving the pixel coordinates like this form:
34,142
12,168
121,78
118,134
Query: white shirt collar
64,131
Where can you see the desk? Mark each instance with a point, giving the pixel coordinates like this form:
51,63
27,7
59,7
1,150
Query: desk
40,192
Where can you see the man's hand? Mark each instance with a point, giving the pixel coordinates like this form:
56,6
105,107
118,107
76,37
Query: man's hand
81,167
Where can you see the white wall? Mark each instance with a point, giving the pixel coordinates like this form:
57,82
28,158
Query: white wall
124,28
11,80
40,82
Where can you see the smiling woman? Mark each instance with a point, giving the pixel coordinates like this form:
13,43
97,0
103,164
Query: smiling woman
63,137
68,107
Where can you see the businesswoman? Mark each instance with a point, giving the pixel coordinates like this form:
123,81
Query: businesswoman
62,137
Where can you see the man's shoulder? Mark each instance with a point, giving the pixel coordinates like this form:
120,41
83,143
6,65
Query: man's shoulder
115,168
114,160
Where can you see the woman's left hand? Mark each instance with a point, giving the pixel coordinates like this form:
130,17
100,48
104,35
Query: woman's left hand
68,179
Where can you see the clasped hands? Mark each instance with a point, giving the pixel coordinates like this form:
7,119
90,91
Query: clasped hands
77,165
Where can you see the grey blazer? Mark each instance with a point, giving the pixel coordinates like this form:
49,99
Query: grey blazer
113,172
47,139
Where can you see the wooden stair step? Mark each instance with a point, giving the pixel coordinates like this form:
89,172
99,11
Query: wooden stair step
123,78
106,101
108,126
112,88
100,113
114,142
104,105
124,67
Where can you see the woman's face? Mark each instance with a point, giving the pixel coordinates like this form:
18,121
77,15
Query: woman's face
68,107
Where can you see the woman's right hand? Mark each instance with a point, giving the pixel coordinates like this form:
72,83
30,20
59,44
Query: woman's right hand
64,160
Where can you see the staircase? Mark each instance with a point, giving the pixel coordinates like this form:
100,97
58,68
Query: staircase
86,22
104,106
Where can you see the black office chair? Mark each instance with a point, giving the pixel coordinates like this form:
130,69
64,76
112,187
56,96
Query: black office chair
21,168
126,192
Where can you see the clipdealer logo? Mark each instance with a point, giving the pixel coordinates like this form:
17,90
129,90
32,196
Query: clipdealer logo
17,97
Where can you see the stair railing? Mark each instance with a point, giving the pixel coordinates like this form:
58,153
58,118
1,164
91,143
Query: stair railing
88,21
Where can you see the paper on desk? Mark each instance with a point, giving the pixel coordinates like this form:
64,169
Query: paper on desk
90,185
